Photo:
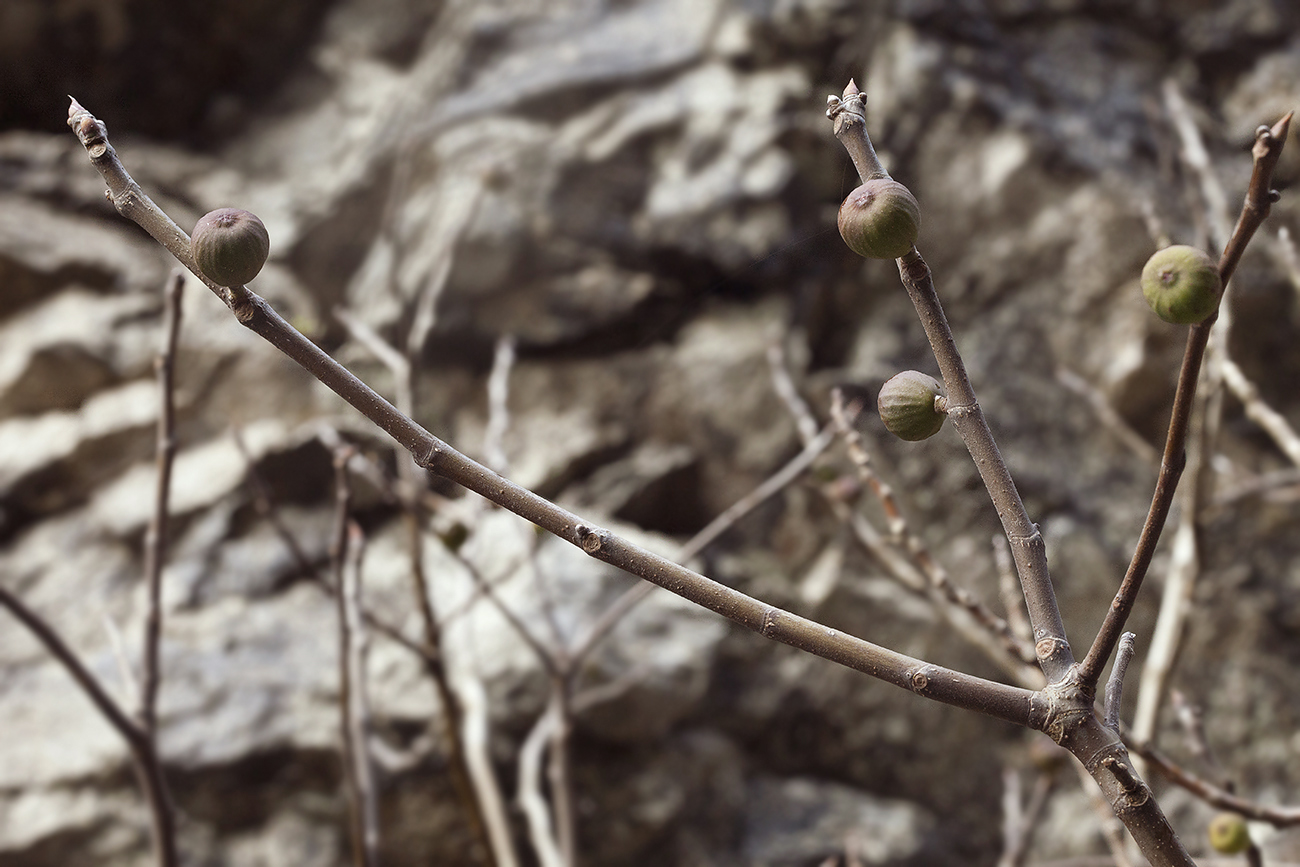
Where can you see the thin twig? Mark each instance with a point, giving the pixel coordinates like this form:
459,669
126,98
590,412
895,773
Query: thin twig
1197,159
937,576
498,389
411,490
339,553
783,385
156,536
532,801
1107,415
1215,795
1115,686
140,734
357,707
1270,420
1009,591
1189,717
476,738
1052,647
559,769
1259,200
1020,822
1171,625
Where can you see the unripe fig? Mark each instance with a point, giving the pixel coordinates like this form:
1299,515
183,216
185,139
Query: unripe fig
230,246
1182,284
880,219
912,405
1229,834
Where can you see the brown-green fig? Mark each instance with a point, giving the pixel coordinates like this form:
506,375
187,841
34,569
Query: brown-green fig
1229,834
1182,284
230,246
880,219
912,405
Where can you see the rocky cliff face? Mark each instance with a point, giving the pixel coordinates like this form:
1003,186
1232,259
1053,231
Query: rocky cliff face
643,195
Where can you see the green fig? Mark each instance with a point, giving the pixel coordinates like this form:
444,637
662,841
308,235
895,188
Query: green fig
1229,834
880,219
230,246
1182,284
912,405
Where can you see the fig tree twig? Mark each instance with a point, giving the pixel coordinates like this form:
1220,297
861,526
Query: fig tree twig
251,311
1215,795
944,592
156,535
1115,686
1259,200
1070,720
1028,551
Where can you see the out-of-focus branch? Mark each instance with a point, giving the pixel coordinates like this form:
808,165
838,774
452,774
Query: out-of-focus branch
341,552
140,734
1214,794
357,708
1270,420
1107,415
156,535
532,800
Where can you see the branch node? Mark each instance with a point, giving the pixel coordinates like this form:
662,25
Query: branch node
589,539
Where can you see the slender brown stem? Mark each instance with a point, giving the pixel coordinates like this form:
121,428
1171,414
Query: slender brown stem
1027,548
1067,702
1259,201
995,699
1115,686
1216,795
618,609
156,536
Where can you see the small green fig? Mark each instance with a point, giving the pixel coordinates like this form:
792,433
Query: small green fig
1182,284
880,219
230,246
912,405
1229,834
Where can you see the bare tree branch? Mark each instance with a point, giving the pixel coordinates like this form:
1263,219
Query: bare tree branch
1259,200
1053,648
